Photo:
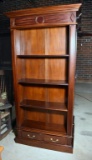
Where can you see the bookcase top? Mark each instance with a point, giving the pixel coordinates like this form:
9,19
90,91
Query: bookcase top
44,10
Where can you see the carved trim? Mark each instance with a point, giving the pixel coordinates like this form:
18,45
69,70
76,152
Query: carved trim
72,17
39,19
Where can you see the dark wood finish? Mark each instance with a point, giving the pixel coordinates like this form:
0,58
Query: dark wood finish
44,127
32,135
43,56
42,93
43,105
44,144
72,64
42,82
44,16
45,19
44,10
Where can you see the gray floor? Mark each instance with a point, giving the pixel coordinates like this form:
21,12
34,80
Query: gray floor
83,134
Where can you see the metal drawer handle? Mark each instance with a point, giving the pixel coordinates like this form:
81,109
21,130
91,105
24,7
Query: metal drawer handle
54,140
33,136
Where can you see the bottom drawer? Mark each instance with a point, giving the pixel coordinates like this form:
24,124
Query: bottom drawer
44,137
31,135
55,139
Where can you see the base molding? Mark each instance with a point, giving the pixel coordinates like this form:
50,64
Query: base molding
38,138
46,145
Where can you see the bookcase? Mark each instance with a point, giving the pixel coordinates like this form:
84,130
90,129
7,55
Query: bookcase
44,59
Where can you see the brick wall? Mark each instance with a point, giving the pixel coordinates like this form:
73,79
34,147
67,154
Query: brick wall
84,56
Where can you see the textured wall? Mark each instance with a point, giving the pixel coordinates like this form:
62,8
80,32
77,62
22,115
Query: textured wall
84,56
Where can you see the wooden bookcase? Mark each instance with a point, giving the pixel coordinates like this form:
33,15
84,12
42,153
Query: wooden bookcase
43,58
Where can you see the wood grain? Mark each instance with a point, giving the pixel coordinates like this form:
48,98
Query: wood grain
57,106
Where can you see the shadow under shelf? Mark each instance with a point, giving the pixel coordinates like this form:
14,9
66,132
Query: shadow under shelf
43,127
42,82
25,56
35,104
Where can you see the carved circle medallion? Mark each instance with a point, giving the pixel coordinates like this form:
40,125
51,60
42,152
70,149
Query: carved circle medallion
39,19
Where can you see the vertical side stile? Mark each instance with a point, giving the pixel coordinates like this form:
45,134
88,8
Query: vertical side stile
15,75
71,76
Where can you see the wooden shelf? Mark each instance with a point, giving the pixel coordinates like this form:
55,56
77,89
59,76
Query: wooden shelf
44,127
42,82
43,56
43,105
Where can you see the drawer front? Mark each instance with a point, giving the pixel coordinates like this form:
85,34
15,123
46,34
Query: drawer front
55,139
31,135
55,18
47,138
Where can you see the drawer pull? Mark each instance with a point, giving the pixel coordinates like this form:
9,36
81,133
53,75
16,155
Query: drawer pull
54,140
33,136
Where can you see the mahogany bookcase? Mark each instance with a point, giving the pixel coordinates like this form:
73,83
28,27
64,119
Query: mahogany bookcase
44,59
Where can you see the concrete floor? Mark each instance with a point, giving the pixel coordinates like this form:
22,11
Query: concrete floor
83,134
